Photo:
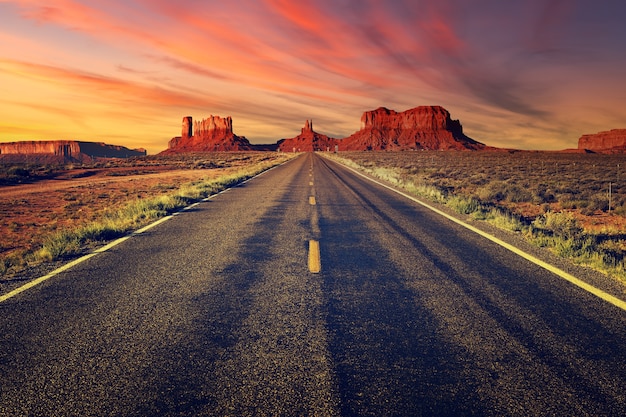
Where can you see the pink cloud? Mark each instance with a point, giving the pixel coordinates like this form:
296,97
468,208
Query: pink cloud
201,44
67,13
238,56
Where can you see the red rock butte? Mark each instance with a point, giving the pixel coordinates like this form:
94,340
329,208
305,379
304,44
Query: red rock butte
207,135
62,151
611,141
424,127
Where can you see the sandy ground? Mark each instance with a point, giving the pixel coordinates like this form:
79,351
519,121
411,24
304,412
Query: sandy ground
29,212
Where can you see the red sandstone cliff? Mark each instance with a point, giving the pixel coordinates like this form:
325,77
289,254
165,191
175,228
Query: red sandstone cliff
424,127
307,141
612,141
62,151
207,135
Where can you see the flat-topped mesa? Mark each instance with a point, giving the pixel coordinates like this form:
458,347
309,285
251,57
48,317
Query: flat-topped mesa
611,141
62,151
424,127
212,134
39,147
422,117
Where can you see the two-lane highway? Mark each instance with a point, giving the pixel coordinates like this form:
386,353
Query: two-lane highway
309,291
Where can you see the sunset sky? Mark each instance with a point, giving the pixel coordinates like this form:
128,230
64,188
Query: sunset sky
520,74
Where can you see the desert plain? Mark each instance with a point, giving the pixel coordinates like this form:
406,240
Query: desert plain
573,204
40,202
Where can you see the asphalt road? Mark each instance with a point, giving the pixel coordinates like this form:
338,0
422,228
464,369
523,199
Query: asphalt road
215,312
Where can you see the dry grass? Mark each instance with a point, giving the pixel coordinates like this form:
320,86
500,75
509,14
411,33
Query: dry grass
556,200
60,214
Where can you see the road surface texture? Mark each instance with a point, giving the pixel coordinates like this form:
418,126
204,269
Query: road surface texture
215,312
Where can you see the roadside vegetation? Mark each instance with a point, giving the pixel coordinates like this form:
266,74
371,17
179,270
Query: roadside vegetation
121,212
24,173
572,204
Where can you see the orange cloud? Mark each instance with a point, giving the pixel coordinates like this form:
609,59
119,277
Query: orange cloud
304,15
68,13
101,86
332,59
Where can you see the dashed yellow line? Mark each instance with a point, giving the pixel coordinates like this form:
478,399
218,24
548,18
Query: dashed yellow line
312,200
315,264
557,271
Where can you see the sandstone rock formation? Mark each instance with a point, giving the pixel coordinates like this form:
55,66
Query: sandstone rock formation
187,127
62,151
307,141
207,135
424,127
612,141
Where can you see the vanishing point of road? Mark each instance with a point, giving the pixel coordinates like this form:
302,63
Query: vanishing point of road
310,290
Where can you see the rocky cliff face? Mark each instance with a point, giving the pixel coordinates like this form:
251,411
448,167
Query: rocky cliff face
209,135
62,151
424,127
612,141
307,141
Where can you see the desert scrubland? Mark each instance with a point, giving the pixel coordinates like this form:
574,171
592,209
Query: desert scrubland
51,213
574,204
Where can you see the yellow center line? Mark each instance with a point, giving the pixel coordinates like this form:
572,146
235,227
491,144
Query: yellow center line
311,183
315,264
312,200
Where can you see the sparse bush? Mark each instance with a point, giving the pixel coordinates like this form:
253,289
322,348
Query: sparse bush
517,194
498,182
146,207
504,191
464,205
426,191
561,224
493,191
508,221
17,171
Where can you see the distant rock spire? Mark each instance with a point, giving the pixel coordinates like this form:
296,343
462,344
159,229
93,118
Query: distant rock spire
308,126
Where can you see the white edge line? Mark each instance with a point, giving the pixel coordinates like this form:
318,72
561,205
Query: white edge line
116,242
566,276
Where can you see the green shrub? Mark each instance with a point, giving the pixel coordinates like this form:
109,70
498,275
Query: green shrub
508,221
135,214
464,205
561,224
504,191
493,191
